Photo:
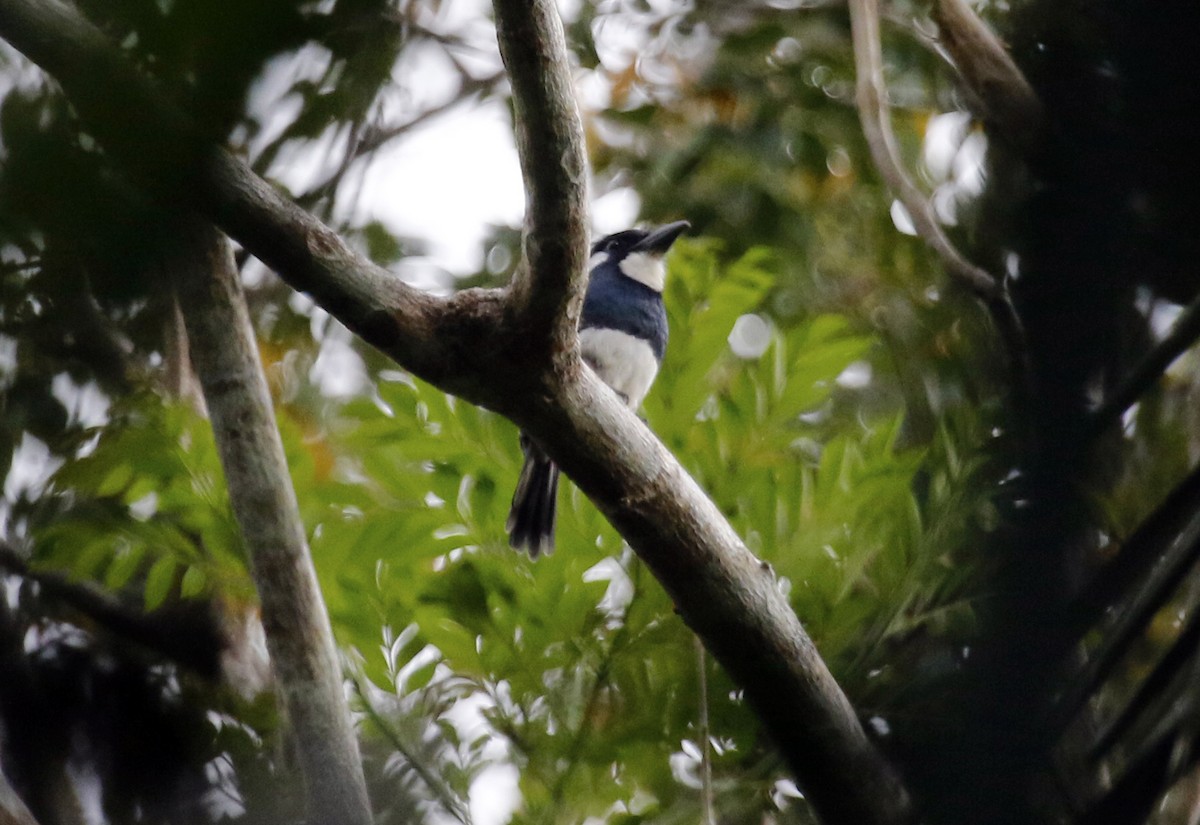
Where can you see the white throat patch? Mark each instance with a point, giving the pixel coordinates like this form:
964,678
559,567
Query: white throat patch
645,268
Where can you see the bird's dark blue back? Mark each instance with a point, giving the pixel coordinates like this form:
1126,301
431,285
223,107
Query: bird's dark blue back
622,337
614,301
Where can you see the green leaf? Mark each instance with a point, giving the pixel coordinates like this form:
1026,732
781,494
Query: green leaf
115,480
158,582
125,564
193,582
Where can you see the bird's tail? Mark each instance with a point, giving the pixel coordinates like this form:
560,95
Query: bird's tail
534,505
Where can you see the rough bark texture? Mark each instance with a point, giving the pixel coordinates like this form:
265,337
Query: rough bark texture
547,290
515,351
299,638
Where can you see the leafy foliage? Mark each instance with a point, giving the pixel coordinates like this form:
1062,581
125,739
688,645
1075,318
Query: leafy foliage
577,662
589,675
146,501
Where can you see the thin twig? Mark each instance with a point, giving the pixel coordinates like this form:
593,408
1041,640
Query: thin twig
871,95
445,795
620,640
375,138
471,87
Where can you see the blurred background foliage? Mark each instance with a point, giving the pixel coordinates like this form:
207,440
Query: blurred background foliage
844,405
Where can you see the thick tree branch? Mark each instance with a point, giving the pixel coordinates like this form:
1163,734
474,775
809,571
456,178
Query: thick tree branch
299,638
173,160
985,66
548,289
725,594
492,351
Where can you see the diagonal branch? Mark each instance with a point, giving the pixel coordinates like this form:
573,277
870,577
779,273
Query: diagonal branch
1148,370
726,595
171,158
514,352
188,634
986,68
12,808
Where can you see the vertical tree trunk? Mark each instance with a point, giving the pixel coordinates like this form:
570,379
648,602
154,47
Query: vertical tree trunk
299,637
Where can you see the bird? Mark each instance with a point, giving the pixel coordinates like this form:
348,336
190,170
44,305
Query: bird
622,336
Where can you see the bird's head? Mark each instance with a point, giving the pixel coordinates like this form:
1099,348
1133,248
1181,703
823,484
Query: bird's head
638,253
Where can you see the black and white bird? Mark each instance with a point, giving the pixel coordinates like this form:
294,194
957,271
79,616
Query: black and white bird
622,336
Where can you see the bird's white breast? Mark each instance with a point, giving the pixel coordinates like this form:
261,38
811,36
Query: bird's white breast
625,363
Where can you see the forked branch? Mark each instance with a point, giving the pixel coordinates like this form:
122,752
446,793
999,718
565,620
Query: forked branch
512,351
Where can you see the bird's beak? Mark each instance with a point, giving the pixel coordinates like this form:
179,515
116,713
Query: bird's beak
660,240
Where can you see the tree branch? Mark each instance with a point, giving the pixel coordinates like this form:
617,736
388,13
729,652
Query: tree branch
871,94
708,814
375,137
1148,370
726,595
490,348
12,807
548,289
172,159
299,637
985,66
188,634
